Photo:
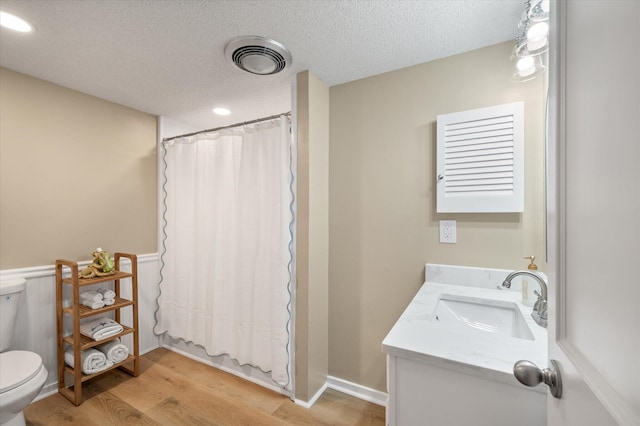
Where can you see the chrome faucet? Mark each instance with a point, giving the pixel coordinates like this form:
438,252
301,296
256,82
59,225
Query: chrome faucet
539,313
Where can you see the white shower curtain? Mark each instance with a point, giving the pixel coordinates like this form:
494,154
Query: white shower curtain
225,275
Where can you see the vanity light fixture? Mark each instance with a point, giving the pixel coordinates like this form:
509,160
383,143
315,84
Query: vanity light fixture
221,111
539,11
15,23
533,42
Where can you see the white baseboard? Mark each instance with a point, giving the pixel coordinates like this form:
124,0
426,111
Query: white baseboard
350,388
47,390
146,350
335,383
358,391
313,399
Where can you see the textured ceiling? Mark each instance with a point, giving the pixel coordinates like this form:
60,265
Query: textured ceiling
166,57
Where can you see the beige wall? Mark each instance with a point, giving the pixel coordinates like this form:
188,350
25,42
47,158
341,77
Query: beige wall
76,173
383,224
312,253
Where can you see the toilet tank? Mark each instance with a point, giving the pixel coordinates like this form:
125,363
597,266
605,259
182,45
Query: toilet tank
10,290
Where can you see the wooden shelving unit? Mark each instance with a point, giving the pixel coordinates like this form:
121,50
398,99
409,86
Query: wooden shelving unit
77,311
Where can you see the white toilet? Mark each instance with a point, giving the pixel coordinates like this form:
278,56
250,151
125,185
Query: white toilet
22,374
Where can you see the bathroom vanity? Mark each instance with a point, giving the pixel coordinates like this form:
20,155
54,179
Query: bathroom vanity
450,355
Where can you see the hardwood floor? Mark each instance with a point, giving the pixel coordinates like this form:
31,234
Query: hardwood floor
175,390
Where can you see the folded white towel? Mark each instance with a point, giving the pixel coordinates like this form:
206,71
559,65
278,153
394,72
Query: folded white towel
91,295
100,328
93,360
106,293
91,304
109,302
115,350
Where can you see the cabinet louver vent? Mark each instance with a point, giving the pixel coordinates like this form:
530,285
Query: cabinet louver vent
480,160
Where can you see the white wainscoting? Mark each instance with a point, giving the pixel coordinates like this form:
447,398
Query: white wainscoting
36,322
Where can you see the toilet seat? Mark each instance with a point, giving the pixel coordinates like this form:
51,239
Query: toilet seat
18,367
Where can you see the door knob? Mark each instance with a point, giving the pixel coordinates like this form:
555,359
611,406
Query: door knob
529,374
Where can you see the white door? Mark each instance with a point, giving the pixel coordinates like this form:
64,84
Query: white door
594,211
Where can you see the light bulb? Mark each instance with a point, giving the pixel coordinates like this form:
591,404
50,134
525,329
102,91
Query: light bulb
525,64
12,22
533,45
538,31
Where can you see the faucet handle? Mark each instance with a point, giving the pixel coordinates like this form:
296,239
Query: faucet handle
537,293
543,310
539,313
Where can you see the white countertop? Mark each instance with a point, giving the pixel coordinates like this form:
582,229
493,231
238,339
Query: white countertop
487,355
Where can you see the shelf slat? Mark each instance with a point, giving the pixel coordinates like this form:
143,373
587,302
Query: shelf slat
86,377
86,311
87,342
117,275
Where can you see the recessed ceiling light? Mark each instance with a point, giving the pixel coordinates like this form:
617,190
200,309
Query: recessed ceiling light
12,22
221,111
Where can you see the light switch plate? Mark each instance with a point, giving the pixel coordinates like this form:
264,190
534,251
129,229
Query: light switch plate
448,231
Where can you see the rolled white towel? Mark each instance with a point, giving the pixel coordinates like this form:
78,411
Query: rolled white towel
109,302
106,293
93,360
100,328
115,350
91,295
93,305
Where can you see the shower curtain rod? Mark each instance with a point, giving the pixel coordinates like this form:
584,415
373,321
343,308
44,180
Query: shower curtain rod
244,123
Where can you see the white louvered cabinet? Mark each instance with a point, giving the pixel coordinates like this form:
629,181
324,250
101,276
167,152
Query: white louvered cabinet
480,160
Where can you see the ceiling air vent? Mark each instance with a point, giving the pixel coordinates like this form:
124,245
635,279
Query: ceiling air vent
258,55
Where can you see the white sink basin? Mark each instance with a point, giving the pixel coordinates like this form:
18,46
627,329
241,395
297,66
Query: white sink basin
480,315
